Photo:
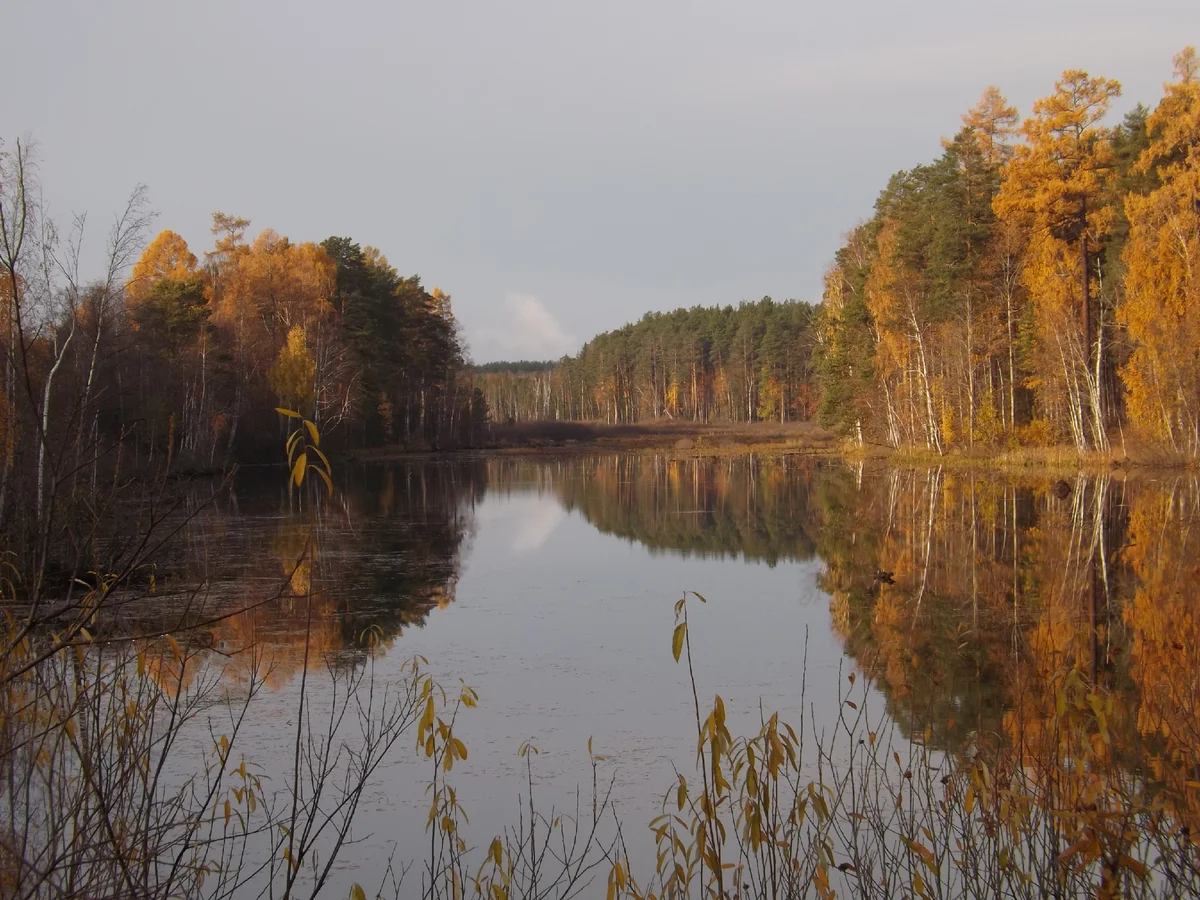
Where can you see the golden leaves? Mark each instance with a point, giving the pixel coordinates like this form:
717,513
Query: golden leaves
167,256
1161,258
294,373
677,640
297,449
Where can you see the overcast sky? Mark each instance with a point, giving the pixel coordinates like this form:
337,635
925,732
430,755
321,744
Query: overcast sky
559,167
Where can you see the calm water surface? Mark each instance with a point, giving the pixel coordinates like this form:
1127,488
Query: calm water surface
548,585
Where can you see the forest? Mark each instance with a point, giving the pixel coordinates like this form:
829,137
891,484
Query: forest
167,357
1034,285
1033,641
747,363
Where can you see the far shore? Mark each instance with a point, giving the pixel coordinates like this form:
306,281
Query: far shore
685,439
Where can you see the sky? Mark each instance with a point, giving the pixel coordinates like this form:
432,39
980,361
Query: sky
559,167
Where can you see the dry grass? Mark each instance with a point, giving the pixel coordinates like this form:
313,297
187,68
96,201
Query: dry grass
692,439
1050,460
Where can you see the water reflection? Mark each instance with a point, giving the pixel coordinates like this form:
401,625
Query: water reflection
966,598
286,583
996,593
740,507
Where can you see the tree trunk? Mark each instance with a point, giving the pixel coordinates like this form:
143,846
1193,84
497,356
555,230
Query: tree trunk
46,398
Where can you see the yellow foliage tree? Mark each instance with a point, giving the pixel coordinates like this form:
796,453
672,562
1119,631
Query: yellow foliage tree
167,256
904,369
273,285
294,373
1162,260
1054,191
993,122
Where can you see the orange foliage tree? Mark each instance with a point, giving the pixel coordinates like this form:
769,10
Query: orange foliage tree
1162,310
1054,189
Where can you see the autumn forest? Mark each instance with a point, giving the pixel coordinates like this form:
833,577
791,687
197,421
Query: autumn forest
212,667
1033,285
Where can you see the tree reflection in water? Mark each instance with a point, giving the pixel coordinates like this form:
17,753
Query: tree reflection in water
976,602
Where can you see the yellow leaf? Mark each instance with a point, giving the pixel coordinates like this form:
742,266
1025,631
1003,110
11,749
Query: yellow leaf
923,852
312,432
677,640
357,893
324,477
1137,867
290,413
298,469
324,459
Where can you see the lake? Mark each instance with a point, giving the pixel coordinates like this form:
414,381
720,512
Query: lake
548,585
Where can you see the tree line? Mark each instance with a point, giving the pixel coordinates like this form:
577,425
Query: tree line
1035,284
167,356
330,330
746,363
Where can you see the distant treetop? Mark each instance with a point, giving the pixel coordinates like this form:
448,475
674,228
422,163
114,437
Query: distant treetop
519,366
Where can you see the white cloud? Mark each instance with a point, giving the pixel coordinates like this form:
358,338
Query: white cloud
530,331
536,527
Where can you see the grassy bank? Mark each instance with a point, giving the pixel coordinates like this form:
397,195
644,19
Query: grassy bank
1056,459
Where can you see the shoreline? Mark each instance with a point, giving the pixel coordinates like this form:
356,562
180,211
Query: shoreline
699,441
